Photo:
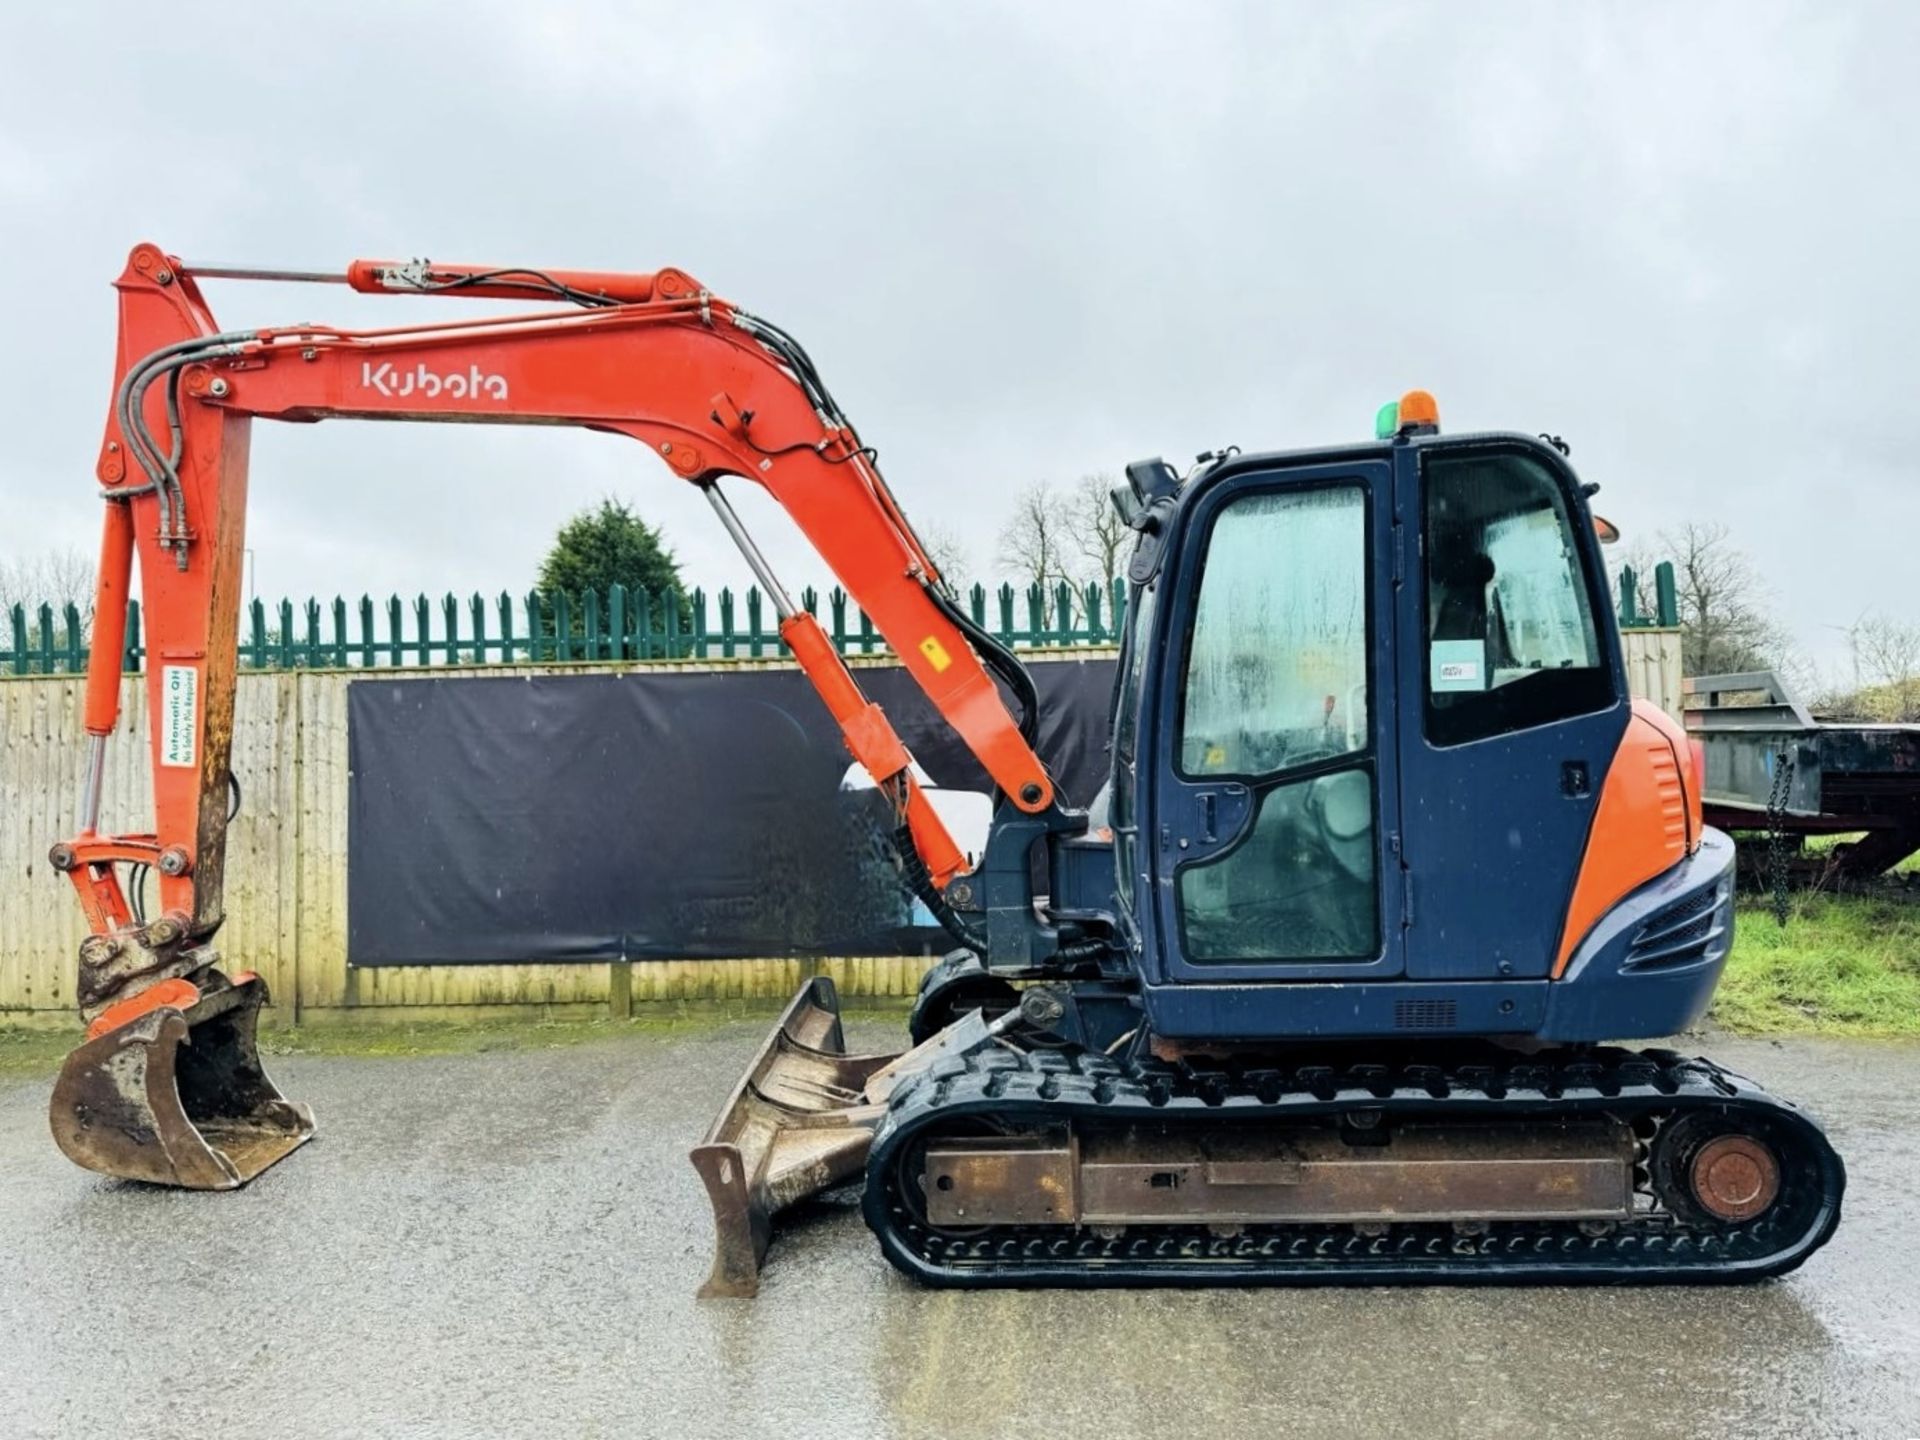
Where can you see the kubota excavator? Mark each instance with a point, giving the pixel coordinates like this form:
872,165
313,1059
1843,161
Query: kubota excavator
1387,857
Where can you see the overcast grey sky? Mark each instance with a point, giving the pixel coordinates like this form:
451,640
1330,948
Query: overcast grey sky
1022,241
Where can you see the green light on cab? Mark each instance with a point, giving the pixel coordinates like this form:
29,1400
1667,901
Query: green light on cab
1386,421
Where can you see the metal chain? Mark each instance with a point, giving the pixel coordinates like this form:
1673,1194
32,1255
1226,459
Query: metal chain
1783,763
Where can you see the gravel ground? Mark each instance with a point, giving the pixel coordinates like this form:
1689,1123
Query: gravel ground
507,1244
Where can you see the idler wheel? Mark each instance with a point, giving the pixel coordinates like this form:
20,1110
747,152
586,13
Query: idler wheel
1708,1174
1734,1178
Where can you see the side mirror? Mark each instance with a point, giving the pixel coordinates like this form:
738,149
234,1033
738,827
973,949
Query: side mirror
1152,480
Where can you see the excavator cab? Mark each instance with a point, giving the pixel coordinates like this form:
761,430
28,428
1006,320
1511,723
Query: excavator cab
1382,686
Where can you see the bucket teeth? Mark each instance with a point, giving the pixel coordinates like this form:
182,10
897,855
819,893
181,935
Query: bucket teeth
178,1096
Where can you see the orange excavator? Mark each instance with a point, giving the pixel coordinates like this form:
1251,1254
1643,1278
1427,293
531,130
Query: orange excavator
1317,994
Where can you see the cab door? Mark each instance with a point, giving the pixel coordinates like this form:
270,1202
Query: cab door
1274,820
1512,701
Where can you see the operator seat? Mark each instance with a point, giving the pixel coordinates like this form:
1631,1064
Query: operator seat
1460,612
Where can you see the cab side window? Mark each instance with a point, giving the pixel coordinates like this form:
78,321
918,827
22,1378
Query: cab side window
1277,671
1511,641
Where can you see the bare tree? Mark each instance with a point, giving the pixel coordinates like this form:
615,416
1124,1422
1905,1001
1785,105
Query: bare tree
1094,528
1887,652
1036,545
13,586
1722,603
947,551
55,578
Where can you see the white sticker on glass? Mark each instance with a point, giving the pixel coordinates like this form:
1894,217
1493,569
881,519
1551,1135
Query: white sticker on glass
1458,665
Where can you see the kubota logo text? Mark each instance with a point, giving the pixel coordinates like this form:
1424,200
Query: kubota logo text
475,384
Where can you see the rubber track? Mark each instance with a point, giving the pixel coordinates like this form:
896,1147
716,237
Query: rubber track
1015,1090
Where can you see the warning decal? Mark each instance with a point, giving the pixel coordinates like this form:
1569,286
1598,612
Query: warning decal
179,714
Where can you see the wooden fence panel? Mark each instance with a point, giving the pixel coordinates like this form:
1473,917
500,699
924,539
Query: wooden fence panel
1653,666
286,876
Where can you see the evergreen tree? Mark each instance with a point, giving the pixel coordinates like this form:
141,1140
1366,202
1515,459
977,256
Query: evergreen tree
606,546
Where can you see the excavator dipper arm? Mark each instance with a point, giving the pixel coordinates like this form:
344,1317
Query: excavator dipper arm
709,389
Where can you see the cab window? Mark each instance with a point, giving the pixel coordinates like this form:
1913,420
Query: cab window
1511,641
1277,669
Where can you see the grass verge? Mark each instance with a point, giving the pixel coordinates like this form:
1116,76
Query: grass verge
1843,965
32,1052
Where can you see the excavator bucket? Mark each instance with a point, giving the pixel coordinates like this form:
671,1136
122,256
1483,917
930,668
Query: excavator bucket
177,1096
799,1122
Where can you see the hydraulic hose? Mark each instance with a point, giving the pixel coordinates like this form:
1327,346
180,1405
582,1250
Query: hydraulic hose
999,659
918,881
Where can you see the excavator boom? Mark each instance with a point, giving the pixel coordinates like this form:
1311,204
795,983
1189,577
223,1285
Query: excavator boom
711,390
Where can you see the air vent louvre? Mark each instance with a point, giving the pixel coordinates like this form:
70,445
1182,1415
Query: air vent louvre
1426,1014
1680,935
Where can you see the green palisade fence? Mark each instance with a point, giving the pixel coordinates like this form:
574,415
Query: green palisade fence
1666,597
622,624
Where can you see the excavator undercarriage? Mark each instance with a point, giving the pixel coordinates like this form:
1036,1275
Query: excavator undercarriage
988,1159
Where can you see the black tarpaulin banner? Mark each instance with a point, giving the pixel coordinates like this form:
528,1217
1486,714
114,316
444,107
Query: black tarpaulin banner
649,814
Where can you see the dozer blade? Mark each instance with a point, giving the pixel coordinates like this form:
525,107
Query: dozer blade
177,1096
799,1122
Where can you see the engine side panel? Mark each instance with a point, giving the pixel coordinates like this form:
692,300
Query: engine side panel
1646,824
1648,967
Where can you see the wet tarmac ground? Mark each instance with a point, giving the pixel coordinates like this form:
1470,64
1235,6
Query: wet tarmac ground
508,1244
